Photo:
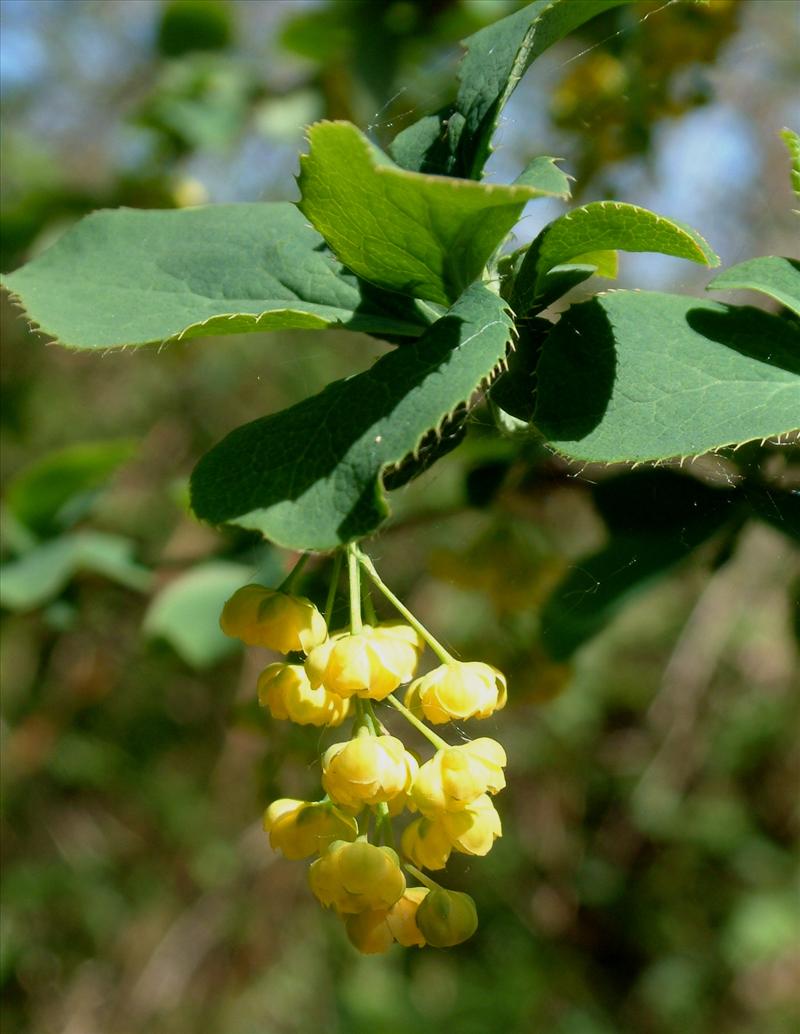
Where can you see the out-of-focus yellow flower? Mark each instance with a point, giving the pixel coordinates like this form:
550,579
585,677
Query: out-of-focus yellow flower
301,828
456,776
472,830
367,770
370,663
356,877
369,931
457,690
285,690
402,918
447,917
274,619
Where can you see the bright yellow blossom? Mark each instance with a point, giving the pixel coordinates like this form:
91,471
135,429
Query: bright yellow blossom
355,877
301,828
475,828
285,690
370,663
447,917
426,843
367,770
277,620
472,830
456,776
457,690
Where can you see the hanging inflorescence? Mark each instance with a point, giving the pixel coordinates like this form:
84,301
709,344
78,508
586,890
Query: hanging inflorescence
371,779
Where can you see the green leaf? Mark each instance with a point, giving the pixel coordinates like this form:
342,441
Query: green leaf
557,281
457,140
640,376
38,495
428,236
186,612
657,518
41,574
792,141
777,277
310,476
543,174
605,263
128,277
560,279
601,226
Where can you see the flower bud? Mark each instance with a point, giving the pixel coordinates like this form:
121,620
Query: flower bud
369,931
367,770
370,663
356,877
447,917
402,918
457,690
456,776
302,828
274,619
285,690
427,842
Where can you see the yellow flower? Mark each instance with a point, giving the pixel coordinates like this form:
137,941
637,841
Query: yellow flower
472,830
457,690
370,663
426,843
367,770
456,776
302,828
285,690
475,828
402,918
376,930
447,917
274,619
369,931
356,877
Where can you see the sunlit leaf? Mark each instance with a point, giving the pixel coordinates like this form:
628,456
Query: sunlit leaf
128,277
777,277
427,236
601,226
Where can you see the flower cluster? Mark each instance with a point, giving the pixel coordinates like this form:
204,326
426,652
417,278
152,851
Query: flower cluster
372,777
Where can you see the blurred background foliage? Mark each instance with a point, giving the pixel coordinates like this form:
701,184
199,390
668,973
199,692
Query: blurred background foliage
647,878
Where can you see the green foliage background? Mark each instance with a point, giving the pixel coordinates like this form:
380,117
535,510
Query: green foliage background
647,880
